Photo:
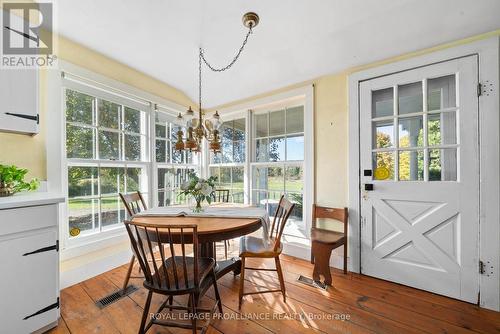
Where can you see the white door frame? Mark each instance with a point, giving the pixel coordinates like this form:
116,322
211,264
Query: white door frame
488,51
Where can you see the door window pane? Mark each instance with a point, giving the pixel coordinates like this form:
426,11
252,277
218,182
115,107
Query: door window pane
79,107
410,98
411,165
383,166
295,119
383,102
277,123
411,131
383,134
442,128
109,114
443,164
441,93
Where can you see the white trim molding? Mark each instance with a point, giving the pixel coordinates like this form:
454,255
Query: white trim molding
488,51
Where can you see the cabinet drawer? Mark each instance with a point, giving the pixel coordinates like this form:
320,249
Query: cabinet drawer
27,218
29,282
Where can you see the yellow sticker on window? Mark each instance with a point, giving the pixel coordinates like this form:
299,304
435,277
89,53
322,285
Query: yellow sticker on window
381,173
74,231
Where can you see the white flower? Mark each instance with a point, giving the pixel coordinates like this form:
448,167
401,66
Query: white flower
198,186
206,189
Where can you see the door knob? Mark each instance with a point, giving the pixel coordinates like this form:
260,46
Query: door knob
368,186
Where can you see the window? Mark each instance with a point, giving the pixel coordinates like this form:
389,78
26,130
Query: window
106,154
172,167
278,162
229,165
414,139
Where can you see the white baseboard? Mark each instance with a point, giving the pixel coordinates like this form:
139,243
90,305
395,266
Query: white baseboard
93,267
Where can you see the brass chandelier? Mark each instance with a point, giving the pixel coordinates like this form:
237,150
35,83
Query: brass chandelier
197,128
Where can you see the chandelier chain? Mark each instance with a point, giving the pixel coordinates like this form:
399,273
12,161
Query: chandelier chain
222,69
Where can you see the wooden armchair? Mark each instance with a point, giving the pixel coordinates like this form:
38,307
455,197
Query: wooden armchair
134,203
323,241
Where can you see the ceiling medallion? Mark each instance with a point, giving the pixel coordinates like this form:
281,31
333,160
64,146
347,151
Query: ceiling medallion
197,128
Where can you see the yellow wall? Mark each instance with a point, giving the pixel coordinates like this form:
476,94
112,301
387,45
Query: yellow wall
29,151
331,125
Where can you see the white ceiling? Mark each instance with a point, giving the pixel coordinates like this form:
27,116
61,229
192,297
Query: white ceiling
296,40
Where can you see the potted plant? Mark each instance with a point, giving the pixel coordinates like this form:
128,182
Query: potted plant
12,180
199,189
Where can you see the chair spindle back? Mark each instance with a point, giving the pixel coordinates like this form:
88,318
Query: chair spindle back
133,203
285,208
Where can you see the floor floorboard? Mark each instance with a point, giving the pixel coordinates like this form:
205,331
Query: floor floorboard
355,304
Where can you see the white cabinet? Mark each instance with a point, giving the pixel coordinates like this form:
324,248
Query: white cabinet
19,100
29,258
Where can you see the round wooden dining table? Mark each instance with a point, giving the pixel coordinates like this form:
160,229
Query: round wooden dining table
210,230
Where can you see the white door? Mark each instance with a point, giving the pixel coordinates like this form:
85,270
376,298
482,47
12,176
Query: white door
419,151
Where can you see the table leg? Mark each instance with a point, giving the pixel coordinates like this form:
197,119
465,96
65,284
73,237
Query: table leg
222,267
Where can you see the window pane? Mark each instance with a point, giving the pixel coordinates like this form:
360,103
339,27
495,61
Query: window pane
382,103
83,214
261,125
161,198
275,181
214,171
239,129
227,149
293,179
442,128
411,132
161,130
262,150
295,119
296,227
134,179
82,181
132,147
277,149
109,114
225,177
383,132
79,107
109,144
177,157
259,198
132,121
383,166
410,98
112,211
443,164
441,93
239,151
238,176
259,178
111,180
411,165
227,131
79,142
295,148
277,123
161,150
215,158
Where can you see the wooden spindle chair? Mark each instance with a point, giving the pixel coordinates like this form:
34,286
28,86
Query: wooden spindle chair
162,253
222,196
251,246
324,241
134,203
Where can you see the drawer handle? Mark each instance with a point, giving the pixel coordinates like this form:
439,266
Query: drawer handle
43,310
44,249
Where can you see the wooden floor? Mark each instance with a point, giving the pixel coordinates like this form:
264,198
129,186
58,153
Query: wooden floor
369,306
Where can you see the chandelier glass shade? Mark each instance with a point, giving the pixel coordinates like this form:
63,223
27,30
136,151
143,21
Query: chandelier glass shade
199,129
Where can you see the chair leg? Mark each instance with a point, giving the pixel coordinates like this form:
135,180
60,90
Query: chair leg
226,242
193,312
345,257
322,262
142,329
242,280
312,256
216,290
280,276
129,272
170,302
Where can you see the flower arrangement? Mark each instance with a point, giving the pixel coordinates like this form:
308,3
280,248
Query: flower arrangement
200,189
12,180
